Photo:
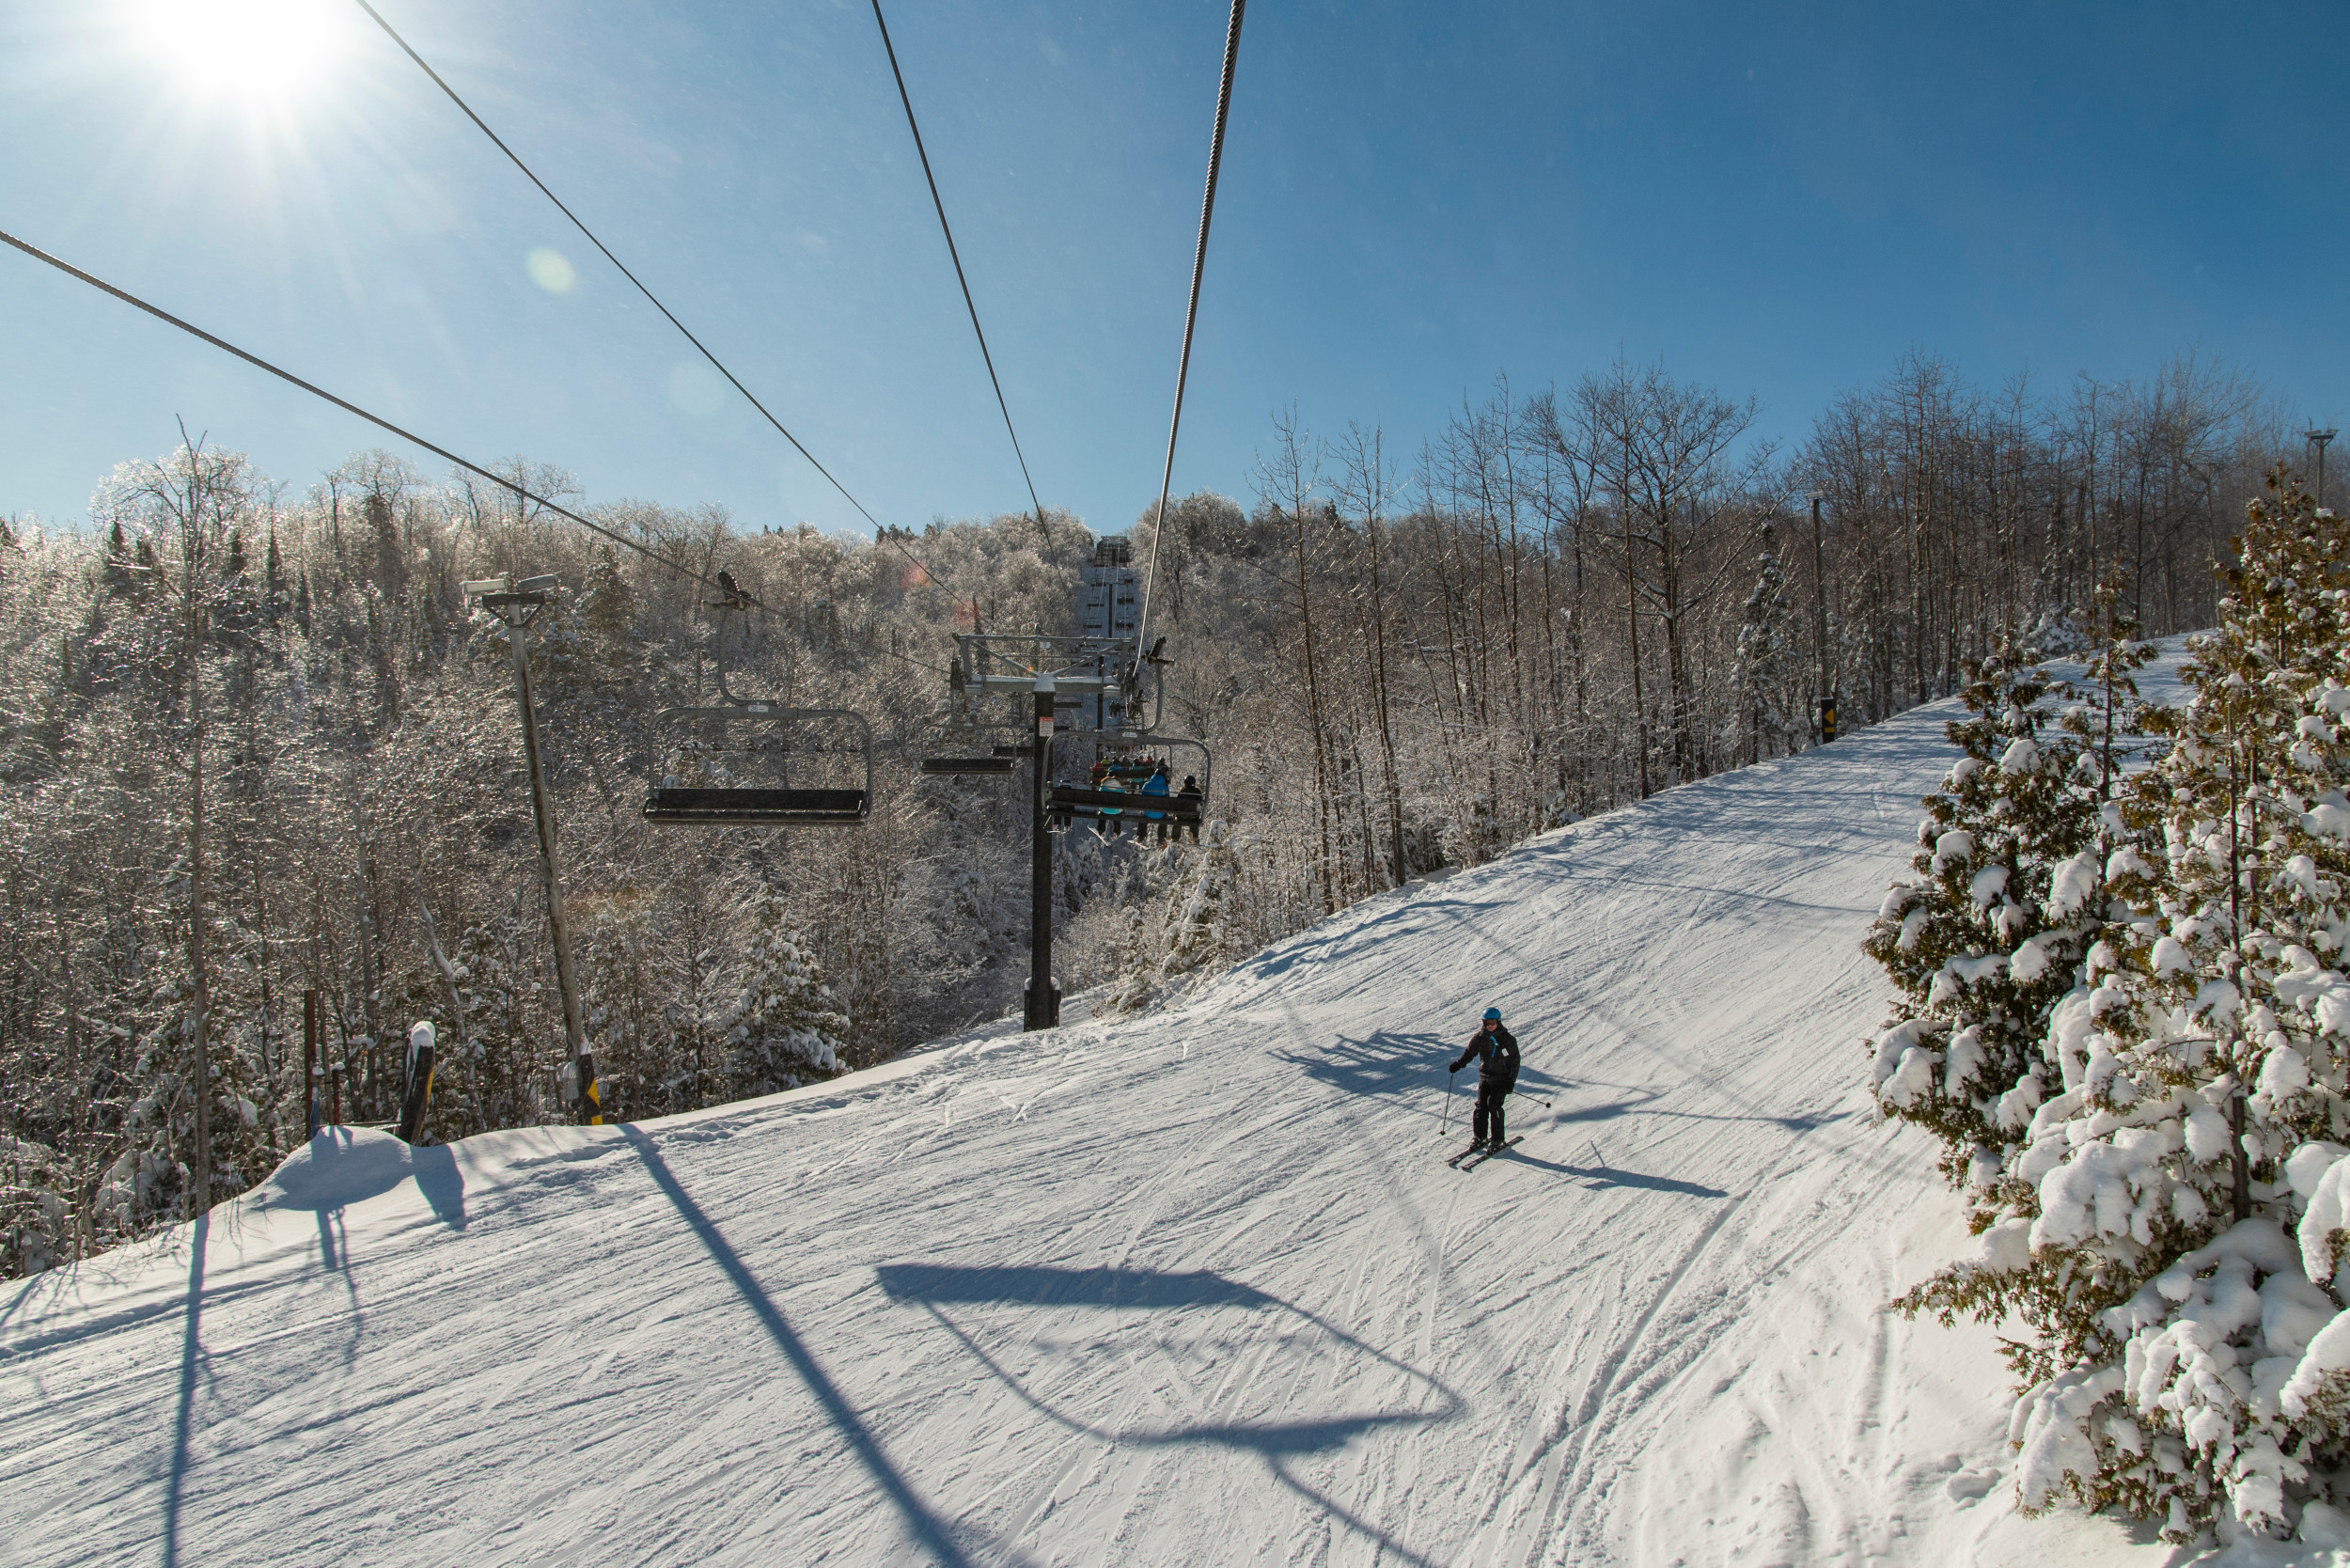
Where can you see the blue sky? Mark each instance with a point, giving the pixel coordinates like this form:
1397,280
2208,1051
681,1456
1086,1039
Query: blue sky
1417,198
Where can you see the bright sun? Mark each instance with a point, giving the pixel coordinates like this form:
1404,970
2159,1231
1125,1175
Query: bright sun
252,49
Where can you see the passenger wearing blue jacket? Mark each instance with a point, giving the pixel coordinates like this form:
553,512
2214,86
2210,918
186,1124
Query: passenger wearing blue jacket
1154,785
1496,1052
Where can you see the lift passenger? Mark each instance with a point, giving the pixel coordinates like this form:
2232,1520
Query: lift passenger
1191,792
1155,785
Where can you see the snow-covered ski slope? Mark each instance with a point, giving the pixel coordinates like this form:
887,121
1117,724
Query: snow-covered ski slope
1190,1288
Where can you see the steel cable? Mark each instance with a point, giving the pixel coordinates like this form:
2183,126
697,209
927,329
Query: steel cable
405,48
346,406
956,258
1191,315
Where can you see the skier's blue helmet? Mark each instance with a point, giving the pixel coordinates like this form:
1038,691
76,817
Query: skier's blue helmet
1493,1015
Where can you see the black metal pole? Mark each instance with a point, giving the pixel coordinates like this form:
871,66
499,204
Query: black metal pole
311,1071
1826,715
1042,1007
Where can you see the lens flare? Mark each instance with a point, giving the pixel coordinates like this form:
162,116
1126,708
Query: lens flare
256,50
550,270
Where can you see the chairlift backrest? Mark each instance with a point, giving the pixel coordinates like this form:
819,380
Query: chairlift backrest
698,786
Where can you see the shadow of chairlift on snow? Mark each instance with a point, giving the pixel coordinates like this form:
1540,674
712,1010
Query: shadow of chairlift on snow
1381,1062
1386,1062
936,1287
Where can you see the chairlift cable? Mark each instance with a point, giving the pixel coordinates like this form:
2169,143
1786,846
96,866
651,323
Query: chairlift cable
1191,315
348,407
713,359
956,258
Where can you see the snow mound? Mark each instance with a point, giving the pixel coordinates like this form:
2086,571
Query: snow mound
341,1166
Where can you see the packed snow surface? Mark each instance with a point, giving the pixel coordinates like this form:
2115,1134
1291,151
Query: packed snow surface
1194,1287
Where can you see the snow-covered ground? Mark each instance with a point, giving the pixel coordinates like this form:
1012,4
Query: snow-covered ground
1191,1288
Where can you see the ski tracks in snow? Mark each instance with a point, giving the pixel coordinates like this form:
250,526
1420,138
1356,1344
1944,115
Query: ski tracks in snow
1189,1288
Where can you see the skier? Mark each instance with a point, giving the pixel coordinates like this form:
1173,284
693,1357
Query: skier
1495,1050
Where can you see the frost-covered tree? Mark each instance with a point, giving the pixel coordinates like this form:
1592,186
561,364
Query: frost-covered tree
478,1081
2172,1228
784,1029
1765,680
1195,932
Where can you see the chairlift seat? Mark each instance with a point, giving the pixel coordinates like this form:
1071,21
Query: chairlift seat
703,807
969,764
1070,801
691,801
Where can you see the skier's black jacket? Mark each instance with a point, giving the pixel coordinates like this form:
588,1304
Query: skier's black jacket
1496,1054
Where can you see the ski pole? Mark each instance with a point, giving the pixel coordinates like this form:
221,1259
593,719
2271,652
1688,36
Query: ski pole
1530,1094
1446,1124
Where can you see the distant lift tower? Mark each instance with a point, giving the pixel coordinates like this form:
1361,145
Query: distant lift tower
1107,610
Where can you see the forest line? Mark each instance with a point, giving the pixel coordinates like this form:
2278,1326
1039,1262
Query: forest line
256,743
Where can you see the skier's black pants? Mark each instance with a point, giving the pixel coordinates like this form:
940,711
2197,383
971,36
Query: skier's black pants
1491,1099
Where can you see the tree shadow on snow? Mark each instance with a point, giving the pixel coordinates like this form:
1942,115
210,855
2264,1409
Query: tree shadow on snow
936,1286
190,1359
1322,946
935,1535
1644,1103
1606,1176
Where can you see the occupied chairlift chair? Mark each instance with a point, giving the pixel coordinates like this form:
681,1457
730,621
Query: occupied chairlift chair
1070,801
698,785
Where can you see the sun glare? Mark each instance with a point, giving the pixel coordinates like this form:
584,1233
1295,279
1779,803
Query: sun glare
271,50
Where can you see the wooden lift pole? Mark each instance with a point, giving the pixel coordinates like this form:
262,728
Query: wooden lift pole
517,605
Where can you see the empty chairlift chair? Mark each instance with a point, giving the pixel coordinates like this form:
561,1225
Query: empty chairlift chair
747,765
1000,759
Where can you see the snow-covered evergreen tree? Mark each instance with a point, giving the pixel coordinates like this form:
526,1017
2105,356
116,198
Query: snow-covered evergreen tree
2004,902
784,1029
2172,1227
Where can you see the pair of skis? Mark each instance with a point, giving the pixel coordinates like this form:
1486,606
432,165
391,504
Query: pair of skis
1475,1156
